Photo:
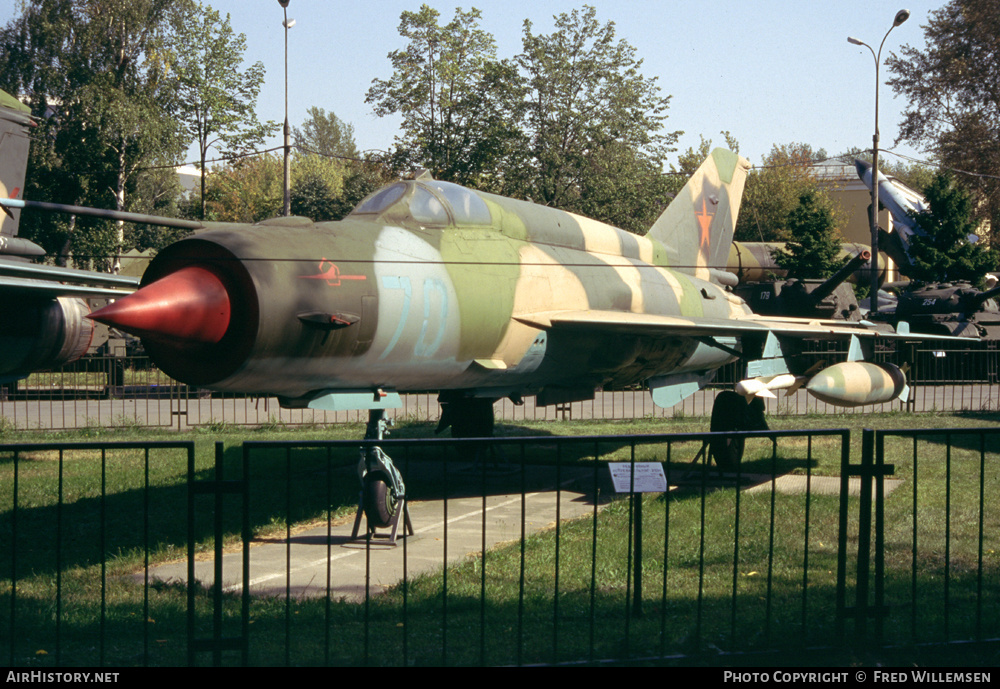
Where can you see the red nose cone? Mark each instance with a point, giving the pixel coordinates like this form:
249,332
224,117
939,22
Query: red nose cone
188,306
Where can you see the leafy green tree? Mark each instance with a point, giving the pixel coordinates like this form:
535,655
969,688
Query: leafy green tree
325,155
247,190
215,97
591,113
88,69
813,243
326,134
363,178
774,190
460,106
158,191
945,254
317,186
952,86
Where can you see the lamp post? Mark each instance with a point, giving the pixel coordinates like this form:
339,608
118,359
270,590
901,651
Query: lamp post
288,166
901,17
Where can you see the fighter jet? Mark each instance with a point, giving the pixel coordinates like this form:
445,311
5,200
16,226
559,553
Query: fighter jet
428,286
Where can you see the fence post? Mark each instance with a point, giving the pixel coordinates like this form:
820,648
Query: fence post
217,489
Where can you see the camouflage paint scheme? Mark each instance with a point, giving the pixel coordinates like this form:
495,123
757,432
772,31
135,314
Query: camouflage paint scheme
865,383
428,286
444,302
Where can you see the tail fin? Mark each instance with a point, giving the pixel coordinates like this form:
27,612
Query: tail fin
697,227
15,118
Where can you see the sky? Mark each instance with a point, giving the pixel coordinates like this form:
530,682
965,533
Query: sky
769,71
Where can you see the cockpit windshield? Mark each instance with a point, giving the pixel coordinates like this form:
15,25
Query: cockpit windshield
466,206
431,202
381,199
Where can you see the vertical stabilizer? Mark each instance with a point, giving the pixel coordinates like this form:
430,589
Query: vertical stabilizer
697,227
15,118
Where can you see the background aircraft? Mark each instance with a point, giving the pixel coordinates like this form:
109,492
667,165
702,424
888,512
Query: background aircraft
42,308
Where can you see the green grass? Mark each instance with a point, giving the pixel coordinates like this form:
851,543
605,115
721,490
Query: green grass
552,614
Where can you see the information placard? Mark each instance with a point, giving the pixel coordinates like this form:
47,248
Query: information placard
649,477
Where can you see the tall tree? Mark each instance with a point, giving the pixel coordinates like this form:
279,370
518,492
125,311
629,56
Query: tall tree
215,96
774,190
326,134
90,68
953,90
814,242
247,190
945,254
591,113
325,151
460,105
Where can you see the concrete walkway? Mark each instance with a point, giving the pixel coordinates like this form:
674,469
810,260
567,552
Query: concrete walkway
445,532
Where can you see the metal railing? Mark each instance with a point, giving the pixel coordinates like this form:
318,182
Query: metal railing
128,392
522,553
928,562
81,523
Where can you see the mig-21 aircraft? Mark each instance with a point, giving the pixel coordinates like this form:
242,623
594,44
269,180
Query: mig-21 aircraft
428,286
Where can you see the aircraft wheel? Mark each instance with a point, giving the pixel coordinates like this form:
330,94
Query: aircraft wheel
728,414
379,500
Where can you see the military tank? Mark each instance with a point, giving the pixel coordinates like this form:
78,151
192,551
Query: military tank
828,299
945,308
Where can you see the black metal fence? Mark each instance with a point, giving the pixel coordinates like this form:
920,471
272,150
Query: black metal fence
929,568
81,525
130,392
522,551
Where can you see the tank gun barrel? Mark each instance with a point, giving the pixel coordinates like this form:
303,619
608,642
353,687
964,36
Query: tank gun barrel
982,298
834,281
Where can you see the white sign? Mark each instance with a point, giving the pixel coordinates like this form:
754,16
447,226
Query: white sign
649,477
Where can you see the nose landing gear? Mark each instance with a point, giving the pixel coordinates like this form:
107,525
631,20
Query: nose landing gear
382,500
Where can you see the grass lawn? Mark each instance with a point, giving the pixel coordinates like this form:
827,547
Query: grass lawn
711,584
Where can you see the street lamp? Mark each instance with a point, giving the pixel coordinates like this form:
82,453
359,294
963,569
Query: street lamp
288,166
901,17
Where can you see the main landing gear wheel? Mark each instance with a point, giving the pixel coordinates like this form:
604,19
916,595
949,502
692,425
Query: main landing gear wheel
380,501
728,414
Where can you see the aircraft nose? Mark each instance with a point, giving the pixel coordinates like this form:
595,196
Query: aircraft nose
189,306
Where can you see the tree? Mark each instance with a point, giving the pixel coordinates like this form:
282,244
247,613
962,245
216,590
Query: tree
317,186
813,243
247,190
945,254
460,106
325,154
773,191
953,90
90,70
590,114
362,179
215,97
325,134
